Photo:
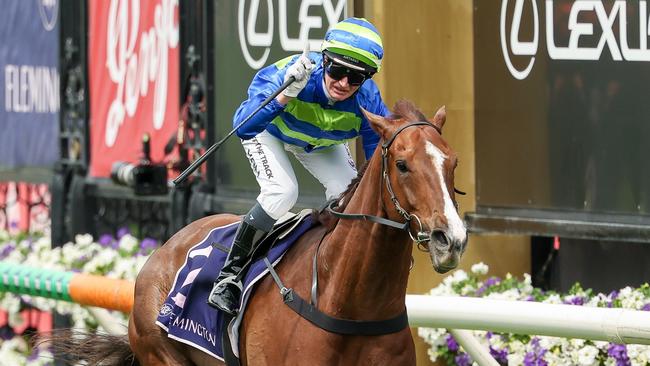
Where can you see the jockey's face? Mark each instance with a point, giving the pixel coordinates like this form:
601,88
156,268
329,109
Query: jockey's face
339,89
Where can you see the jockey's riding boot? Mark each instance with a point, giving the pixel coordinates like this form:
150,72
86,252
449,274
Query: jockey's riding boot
227,287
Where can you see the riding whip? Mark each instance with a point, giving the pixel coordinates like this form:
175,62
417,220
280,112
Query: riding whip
196,163
190,169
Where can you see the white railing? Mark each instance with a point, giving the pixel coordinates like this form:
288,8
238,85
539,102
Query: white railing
525,317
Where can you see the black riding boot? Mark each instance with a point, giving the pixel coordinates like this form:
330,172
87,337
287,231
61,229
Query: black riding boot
227,287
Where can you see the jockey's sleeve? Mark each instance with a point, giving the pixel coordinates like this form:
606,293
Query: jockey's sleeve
265,82
376,105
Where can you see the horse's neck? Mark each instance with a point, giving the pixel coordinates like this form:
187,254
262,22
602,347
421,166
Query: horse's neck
364,265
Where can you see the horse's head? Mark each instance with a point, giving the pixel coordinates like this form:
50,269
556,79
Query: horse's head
418,168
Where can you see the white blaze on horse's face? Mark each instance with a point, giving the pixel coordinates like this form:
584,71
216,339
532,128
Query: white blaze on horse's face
447,257
456,227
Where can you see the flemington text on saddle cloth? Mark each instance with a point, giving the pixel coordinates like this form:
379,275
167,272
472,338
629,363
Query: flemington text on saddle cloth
185,315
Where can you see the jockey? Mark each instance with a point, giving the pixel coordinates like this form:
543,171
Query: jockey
313,118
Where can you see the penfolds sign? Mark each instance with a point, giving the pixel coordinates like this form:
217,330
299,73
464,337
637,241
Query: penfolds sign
133,74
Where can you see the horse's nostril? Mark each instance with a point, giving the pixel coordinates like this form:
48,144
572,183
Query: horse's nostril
440,237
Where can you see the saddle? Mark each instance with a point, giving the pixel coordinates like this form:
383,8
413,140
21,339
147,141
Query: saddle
185,314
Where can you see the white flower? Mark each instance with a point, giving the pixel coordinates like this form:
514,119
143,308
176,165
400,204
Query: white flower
12,351
15,319
577,343
631,299
511,294
587,355
527,287
129,243
83,239
457,276
549,342
480,269
515,359
553,299
638,354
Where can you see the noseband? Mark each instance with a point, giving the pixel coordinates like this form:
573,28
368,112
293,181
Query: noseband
421,236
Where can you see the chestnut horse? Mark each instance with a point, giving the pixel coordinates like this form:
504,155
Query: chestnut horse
363,265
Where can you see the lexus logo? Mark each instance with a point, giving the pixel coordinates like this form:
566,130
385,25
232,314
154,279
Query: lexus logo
256,43
517,47
606,30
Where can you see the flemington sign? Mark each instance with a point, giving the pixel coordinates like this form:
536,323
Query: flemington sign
514,48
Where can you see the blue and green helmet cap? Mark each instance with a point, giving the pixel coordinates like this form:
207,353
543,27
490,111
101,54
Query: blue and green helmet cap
354,42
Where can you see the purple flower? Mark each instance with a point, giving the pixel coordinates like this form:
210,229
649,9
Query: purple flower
492,281
535,357
106,240
7,250
463,359
33,356
646,307
122,231
501,356
147,245
619,353
481,290
452,345
575,300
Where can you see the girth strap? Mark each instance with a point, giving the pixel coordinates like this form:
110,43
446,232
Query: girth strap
337,325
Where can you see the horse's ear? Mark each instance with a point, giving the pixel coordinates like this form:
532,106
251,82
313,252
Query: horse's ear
378,123
439,119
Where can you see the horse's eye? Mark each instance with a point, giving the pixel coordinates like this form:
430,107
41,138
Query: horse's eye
401,165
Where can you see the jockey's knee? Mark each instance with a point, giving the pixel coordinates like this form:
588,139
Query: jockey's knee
279,200
335,189
289,197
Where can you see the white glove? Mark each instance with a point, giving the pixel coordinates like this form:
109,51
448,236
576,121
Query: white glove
300,70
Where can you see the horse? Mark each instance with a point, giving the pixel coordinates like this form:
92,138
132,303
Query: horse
405,193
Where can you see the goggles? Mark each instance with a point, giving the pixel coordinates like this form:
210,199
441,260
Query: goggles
337,72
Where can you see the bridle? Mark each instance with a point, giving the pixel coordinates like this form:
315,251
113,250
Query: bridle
309,310
421,236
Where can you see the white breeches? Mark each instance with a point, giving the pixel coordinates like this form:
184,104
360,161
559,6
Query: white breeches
332,166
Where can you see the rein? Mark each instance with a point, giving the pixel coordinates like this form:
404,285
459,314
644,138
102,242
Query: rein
310,311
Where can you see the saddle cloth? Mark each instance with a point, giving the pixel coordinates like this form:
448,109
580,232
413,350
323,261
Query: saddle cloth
185,314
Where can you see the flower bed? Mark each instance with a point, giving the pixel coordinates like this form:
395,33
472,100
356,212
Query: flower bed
513,349
120,257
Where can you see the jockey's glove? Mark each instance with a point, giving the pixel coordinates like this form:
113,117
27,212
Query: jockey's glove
300,70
